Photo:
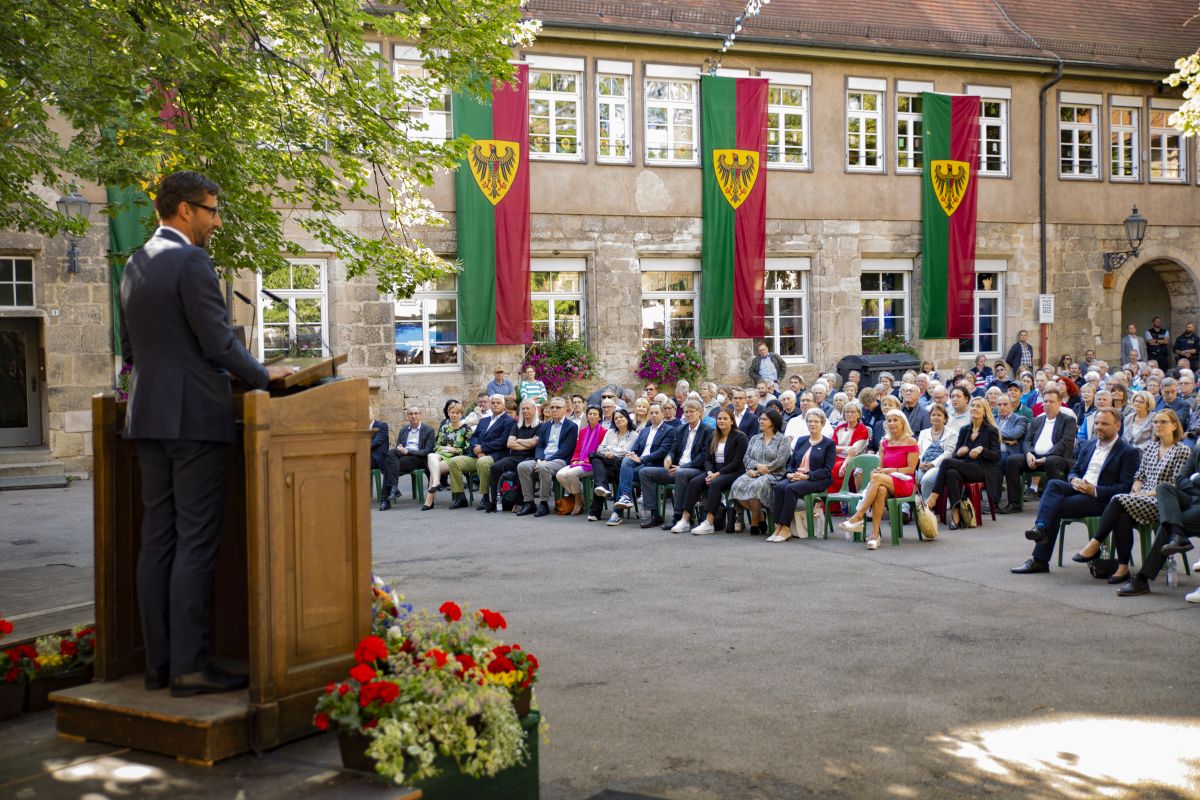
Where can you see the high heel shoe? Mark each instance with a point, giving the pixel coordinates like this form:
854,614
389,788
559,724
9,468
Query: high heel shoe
1118,579
1079,558
427,506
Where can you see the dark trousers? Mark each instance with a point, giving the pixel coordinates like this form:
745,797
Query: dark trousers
1015,467
715,492
506,464
952,474
1116,521
1059,502
1177,512
786,494
605,472
398,465
651,478
183,499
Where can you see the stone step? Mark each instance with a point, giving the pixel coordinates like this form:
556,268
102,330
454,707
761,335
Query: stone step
23,455
27,468
33,482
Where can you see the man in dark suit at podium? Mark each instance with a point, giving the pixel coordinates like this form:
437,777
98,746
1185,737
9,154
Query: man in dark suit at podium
175,331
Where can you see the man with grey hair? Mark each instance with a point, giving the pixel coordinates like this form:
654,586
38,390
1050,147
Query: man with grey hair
556,445
918,415
414,443
820,391
1169,398
787,402
488,443
684,462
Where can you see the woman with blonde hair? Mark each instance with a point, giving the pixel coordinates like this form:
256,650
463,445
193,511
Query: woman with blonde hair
976,459
451,441
1139,426
1163,461
894,478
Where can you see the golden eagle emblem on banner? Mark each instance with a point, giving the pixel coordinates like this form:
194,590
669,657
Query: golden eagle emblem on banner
736,171
494,164
950,180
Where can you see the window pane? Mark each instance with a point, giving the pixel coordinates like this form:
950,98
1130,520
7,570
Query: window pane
568,321
870,282
680,281
540,282
7,266
24,270
278,278
8,296
654,281
24,294
409,338
653,319
306,276
566,282
682,313
541,320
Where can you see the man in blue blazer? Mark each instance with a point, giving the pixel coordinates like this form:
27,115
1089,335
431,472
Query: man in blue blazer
1105,467
380,442
649,450
684,462
555,446
798,482
744,418
488,444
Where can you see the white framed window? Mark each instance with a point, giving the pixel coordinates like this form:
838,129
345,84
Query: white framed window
670,299
993,128
555,108
16,281
297,323
988,338
426,326
884,285
787,119
864,124
614,112
1124,141
786,307
910,123
429,104
1078,132
1168,159
556,298
670,100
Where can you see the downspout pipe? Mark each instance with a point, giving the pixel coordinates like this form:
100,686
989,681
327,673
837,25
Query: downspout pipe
1043,282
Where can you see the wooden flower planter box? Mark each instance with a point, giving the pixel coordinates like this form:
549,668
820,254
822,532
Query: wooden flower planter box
39,689
12,699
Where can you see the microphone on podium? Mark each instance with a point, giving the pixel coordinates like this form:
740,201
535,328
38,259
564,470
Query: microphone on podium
253,319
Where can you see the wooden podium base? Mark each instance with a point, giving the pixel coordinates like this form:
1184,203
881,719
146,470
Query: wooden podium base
200,730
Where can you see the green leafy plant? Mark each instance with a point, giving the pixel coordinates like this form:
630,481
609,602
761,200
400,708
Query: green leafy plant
561,363
665,362
888,343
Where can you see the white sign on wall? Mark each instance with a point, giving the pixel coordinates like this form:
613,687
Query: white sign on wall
1045,309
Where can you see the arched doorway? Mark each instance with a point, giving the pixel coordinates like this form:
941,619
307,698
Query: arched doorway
1159,288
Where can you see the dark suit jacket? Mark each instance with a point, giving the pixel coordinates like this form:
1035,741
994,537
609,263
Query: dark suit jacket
749,424
174,330
426,437
699,445
379,444
1064,436
492,436
735,454
918,417
1013,359
566,440
1118,472
664,440
820,462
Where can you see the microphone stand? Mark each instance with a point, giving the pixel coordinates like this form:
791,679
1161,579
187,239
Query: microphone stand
253,318
321,339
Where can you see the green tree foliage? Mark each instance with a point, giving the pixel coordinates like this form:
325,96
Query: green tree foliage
279,101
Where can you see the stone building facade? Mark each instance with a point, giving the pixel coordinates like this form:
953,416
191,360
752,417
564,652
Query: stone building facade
845,240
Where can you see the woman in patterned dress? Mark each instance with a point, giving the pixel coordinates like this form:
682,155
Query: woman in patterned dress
897,465
766,457
451,441
1162,461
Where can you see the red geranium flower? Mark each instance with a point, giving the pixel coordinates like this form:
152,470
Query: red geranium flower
321,721
13,675
344,689
6,627
465,662
370,649
438,656
329,687
492,619
371,724
451,610
363,673
68,648
407,647
386,692
501,664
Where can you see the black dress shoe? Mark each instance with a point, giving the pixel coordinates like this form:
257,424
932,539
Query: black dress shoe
491,506
669,524
526,509
1035,534
655,519
1082,559
156,678
459,502
1030,567
543,510
210,680
427,508
1133,587
385,505
482,505
1178,544
1008,508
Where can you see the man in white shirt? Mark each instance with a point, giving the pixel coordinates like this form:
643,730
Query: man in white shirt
744,419
684,462
1049,447
1106,467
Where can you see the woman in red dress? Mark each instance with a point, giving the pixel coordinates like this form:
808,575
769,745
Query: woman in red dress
897,463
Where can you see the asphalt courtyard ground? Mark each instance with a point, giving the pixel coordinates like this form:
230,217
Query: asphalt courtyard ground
678,666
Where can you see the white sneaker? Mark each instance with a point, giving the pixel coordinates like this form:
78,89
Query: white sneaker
602,491
873,544
683,526
615,519
623,503
592,518
1192,597
703,529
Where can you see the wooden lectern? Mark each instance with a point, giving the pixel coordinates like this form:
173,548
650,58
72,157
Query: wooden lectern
293,578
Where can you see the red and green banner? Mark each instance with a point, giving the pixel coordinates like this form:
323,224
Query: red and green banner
734,198
492,215
951,148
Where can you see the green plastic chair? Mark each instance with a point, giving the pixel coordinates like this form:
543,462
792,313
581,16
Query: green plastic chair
1146,534
1026,482
1091,523
896,518
868,464
376,484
